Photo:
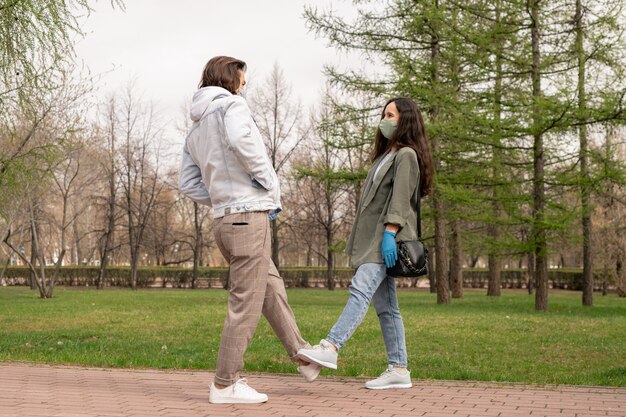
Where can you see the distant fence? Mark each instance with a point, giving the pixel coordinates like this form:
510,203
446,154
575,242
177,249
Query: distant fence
294,277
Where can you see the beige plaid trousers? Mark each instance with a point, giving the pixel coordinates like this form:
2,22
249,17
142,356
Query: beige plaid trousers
255,288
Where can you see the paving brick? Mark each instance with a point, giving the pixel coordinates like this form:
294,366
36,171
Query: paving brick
31,390
591,414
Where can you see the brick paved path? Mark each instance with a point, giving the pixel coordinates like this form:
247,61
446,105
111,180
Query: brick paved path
39,390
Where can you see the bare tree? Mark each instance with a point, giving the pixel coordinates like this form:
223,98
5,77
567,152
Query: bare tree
65,175
140,172
111,172
197,236
456,273
279,121
609,217
31,142
44,282
323,185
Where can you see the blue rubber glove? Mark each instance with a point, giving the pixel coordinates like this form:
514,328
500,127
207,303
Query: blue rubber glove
389,248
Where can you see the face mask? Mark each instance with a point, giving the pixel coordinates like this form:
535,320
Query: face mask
387,127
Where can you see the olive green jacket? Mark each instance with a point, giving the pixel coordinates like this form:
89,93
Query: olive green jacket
389,199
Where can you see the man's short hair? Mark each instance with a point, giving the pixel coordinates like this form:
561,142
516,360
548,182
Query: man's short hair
222,71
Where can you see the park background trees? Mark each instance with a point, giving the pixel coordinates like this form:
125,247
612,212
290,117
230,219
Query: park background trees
524,107
506,87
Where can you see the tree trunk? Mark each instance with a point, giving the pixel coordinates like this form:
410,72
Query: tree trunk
104,255
539,231
6,265
432,279
330,277
26,261
60,260
441,256
495,263
441,264
197,244
77,253
585,192
40,276
309,254
33,257
110,228
531,272
133,246
133,271
620,276
456,272
495,277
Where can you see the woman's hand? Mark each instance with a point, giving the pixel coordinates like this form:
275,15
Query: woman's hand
389,248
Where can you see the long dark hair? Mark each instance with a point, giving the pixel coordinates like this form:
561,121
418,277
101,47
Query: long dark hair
410,132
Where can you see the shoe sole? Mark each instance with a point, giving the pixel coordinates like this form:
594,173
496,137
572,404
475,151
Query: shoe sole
309,378
391,386
324,364
226,401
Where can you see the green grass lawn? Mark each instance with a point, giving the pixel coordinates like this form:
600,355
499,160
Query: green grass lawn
474,338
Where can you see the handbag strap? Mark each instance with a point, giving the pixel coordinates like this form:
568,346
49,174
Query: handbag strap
419,212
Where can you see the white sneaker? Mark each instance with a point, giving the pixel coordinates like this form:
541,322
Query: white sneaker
238,393
321,354
310,371
391,378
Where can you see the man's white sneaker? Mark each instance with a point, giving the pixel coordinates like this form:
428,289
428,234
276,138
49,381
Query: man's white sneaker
310,371
238,393
391,378
321,354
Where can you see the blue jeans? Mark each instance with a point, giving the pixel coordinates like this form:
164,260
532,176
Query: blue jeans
371,284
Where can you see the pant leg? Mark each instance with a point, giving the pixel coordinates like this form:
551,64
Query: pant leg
279,314
243,239
363,286
385,302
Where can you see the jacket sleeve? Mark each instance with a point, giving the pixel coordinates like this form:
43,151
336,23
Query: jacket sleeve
244,139
406,176
190,180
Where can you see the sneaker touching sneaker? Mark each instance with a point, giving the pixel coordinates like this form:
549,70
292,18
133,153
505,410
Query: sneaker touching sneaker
323,355
309,371
391,378
238,393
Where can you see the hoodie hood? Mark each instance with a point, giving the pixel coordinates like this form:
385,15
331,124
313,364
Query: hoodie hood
203,98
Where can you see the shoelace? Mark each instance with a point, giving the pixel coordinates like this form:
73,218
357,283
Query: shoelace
243,384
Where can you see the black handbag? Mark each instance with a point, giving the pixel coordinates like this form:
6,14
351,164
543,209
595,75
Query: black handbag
412,254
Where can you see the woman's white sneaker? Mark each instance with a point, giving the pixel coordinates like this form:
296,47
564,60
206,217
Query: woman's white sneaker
238,393
322,354
391,378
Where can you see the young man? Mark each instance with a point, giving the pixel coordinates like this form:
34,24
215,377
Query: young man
225,166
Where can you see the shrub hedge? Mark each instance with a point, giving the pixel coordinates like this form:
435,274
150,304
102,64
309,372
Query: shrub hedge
302,277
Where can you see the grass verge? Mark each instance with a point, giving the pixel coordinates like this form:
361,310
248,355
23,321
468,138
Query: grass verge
474,338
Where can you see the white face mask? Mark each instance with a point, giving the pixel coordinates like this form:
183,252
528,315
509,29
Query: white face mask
243,92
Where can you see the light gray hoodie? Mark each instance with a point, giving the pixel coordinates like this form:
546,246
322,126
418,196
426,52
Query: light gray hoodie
225,165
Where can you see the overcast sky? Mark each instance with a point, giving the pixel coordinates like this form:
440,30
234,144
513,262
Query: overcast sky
164,44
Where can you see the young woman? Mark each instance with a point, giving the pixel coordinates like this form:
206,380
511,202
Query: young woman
401,167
